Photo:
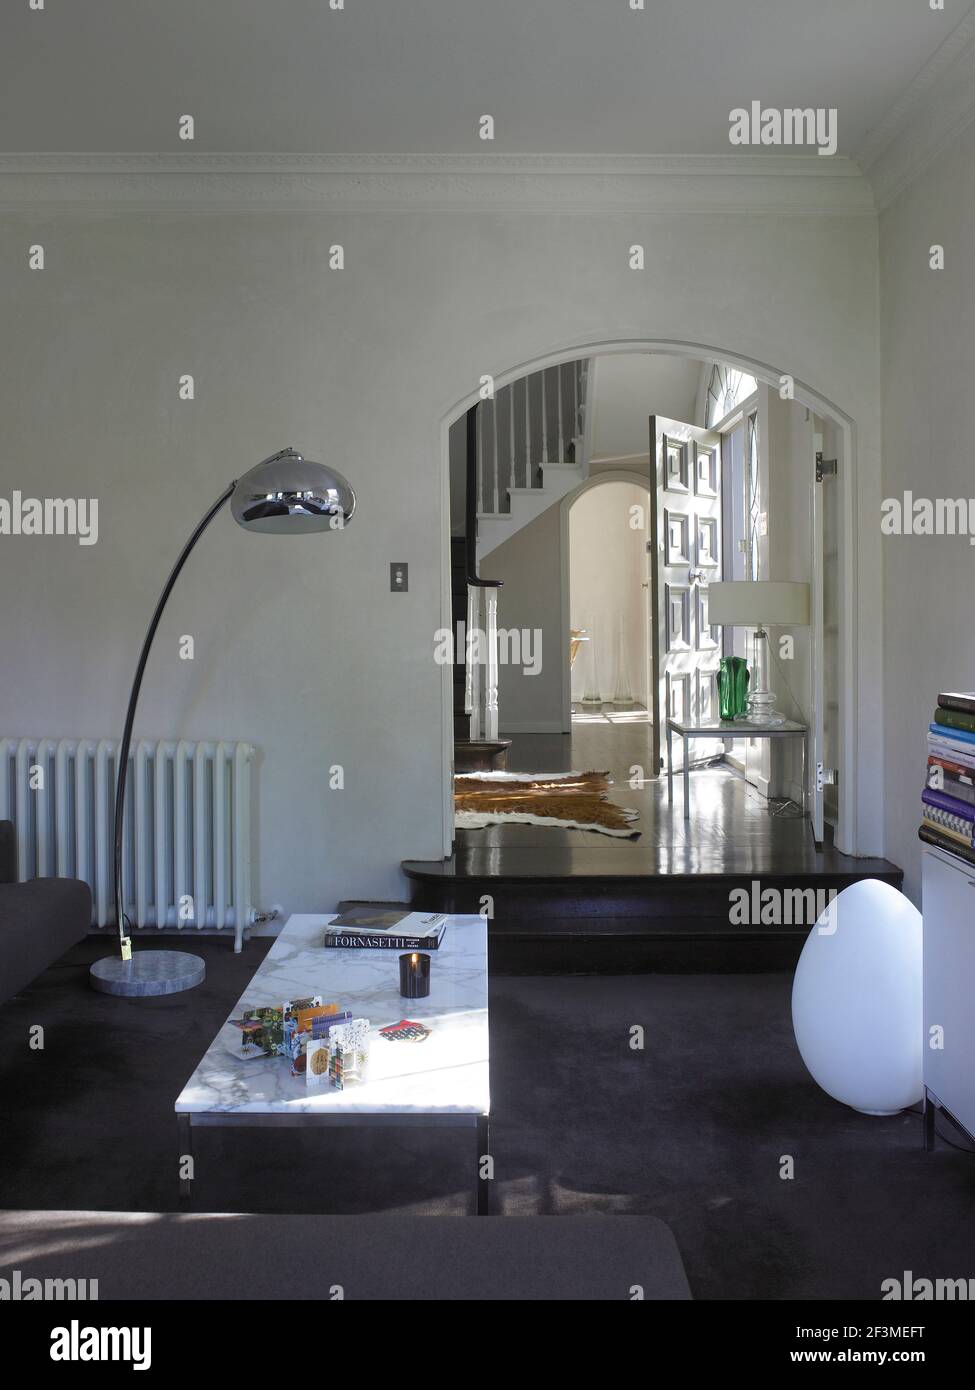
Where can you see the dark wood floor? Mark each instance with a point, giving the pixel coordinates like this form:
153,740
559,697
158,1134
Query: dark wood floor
563,901
730,829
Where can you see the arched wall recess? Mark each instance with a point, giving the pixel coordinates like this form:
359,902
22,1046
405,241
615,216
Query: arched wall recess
850,812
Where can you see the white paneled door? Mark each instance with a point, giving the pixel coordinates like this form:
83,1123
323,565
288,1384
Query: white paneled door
685,529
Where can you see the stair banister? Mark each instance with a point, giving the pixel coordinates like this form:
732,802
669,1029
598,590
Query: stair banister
470,511
480,694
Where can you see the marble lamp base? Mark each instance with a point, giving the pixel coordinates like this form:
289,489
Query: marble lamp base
148,973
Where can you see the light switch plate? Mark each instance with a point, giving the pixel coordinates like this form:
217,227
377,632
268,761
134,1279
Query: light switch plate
399,577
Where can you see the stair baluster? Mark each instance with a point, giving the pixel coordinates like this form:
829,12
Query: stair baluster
470,696
528,434
512,472
481,476
494,443
475,667
575,405
490,720
544,420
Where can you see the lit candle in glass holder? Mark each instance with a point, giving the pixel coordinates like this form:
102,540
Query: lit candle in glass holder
414,975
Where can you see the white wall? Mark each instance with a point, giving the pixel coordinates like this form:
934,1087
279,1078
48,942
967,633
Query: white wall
529,566
628,389
458,477
300,647
928,329
790,468
607,564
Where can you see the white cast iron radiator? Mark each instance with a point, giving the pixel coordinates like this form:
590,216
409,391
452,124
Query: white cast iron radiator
187,845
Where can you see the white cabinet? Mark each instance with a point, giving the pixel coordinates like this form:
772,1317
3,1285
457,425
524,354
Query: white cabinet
948,906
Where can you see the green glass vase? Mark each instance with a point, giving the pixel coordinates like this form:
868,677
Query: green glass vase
732,687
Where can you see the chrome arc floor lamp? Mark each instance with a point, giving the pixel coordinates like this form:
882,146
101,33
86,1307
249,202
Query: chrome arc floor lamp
285,495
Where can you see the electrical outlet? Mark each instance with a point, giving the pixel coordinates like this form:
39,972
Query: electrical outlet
399,577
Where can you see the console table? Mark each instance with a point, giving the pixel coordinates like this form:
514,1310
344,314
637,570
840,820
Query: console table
689,729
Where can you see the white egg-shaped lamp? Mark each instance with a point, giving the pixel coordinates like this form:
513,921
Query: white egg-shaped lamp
857,1003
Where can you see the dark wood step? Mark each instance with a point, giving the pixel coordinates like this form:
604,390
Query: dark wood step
601,921
481,755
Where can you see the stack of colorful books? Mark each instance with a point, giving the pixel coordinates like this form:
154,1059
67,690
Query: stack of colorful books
948,809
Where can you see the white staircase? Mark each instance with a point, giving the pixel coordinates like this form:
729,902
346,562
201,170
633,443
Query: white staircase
531,450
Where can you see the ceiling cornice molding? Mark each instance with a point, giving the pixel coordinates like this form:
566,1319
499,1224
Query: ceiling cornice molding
735,182
937,106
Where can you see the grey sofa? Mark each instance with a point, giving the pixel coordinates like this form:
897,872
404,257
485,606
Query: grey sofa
39,920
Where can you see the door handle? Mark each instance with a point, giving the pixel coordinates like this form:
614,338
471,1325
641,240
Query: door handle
694,574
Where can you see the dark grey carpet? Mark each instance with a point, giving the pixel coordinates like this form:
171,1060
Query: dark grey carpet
618,1258
692,1129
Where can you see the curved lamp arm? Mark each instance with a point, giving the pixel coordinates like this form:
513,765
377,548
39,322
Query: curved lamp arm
123,758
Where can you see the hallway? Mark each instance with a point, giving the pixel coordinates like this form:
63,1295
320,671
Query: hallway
730,829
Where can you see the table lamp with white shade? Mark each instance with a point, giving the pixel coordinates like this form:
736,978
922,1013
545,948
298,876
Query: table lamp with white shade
759,603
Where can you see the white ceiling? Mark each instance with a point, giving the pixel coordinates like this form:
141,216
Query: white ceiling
559,76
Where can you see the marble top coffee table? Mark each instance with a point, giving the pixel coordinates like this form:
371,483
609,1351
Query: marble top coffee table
442,1080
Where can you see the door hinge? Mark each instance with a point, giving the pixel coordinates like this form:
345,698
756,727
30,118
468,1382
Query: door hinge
825,777
825,468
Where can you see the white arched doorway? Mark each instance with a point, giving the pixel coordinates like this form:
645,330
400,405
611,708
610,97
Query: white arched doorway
620,489
839,443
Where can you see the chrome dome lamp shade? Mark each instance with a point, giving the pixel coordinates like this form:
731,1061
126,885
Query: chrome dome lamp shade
288,495
284,495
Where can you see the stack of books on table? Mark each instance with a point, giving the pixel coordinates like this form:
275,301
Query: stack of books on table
386,928
948,799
